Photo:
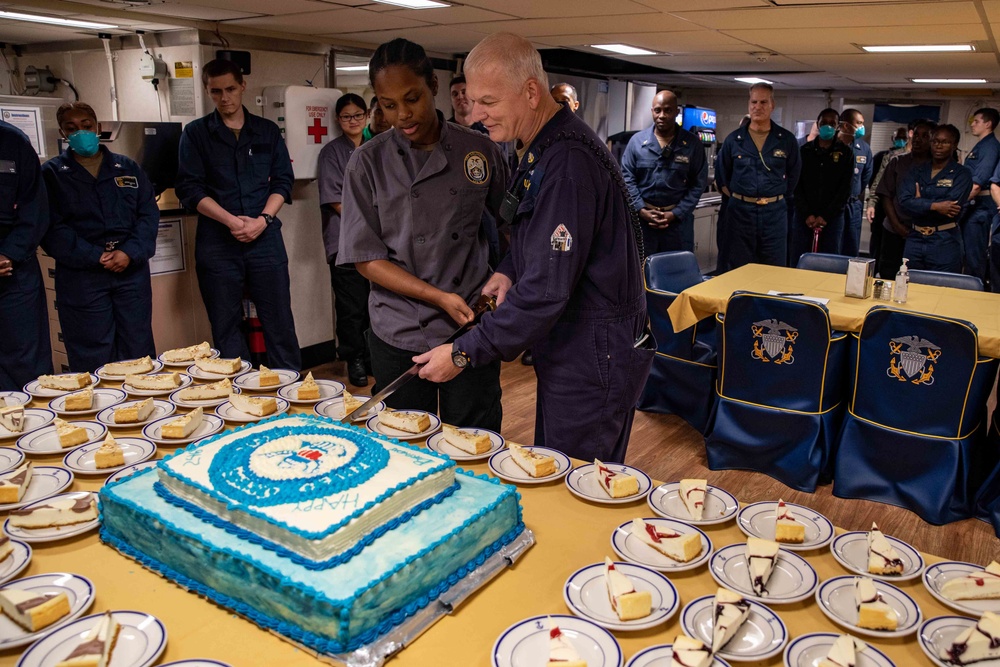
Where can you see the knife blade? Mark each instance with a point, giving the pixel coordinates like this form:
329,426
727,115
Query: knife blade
484,304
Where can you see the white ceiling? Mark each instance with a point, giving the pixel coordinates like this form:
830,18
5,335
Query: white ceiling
796,43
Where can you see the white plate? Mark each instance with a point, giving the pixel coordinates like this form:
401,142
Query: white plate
720,506
808,650
521,644
12,398
10,458
210,424
103,398
229,412
583,482
586,595
131,470
791,580
184,364
941,632
141,641
437,443
762,635
327,389
14,564
79,590
46,440
56,533
208,403
334,408
161,409
196,662
81,460
46,481
758,520
157,366
373,424
38,391
935,577
836,600
251,381
34,419
199,374
851,551
636,551
502,465
661,656
186,381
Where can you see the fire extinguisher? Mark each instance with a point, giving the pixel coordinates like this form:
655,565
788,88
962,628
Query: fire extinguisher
255,333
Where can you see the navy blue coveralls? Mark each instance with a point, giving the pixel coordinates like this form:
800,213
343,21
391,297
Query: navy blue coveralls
854,211
976,221
577,297
24,217
105,316
928,246
750,231
240,174
673,177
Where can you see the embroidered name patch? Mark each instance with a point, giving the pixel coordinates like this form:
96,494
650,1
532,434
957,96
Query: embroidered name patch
944,183
127,182
477,169
8,167
561,239
682,159
861,159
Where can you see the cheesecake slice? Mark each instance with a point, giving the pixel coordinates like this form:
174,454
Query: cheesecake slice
976,643
267,378
983,585
616,484
109,454
688,652
33,610
12,418
627,602
350,403
56,512
67,382
731,610
96,645
207,392
70,435
79,400
762,555
682,548
692,492
258,406
220,366
308,390
532,462
873,612
561,651
6,547
469,442
160,381
410,422
181,354
13,484
843,653
131,367
787,528
182,427
882,557
135,412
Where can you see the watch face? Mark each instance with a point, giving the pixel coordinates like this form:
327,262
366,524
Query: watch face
459,359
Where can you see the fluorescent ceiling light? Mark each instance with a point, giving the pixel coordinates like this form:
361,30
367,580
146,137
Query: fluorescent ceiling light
919,48
752,80
353,68
949,80
624,49
51,20
415,4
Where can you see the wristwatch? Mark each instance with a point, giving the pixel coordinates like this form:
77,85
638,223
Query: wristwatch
268,218
459,358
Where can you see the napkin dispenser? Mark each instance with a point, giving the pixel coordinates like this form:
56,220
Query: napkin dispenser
860,277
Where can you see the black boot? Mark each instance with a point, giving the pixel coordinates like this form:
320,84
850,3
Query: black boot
527,359
356,372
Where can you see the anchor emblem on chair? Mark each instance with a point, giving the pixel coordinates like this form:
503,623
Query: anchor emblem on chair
773,341
913,359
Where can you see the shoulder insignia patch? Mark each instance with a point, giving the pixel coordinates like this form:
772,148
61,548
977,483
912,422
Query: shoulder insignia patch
477,169
561,239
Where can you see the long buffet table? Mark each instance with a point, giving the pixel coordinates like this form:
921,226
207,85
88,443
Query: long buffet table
570,533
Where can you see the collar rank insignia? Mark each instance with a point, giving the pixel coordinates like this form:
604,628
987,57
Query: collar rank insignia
531,158
836,157
912,359
773,341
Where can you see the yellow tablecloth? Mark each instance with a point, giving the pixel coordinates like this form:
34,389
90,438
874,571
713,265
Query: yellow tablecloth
846,313
570,534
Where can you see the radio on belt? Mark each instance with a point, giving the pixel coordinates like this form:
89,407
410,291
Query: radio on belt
860,276
307,118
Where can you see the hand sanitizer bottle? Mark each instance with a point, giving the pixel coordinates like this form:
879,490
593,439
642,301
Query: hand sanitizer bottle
902,285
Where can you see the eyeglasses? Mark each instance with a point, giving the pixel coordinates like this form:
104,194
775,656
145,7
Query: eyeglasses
354,117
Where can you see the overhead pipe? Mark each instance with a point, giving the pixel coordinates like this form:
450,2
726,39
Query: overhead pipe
106,38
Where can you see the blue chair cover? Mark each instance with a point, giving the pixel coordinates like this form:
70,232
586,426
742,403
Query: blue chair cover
780,387
823,261
683,373
945,279
913,435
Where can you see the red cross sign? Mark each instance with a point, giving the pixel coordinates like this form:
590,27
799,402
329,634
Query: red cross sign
317,131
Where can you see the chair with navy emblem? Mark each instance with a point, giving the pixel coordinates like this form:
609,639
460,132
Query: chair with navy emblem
946,279
682,378
915,428
823,261
780,390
